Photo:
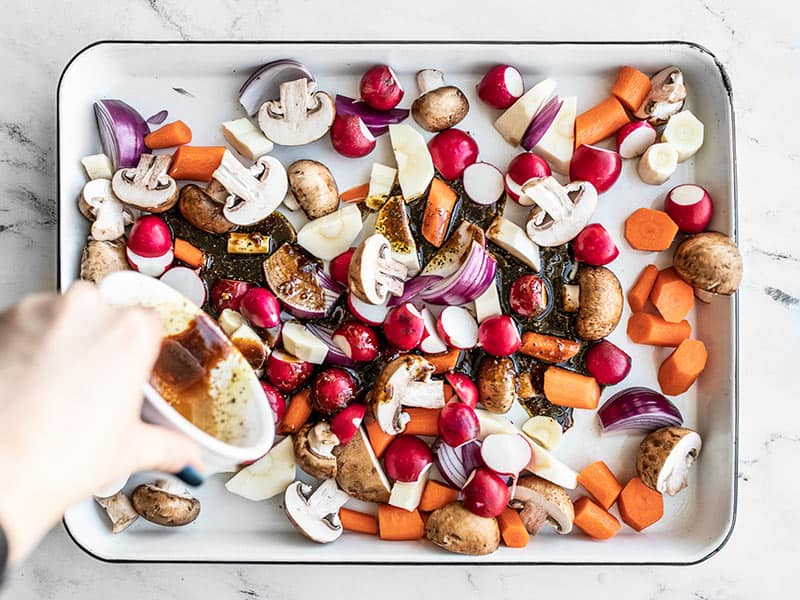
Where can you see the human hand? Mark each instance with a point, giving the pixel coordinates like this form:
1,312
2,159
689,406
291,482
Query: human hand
71,375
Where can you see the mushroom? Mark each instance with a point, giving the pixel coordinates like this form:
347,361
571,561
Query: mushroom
313,450
709,262
597,298
459,530
438,106
99,258
108,215
560,212
358,471
299,116
147,187
202,211
254,193
665,457
540,501
666,97
314,187
373,273
497,383
405,381
165,503
119,510
292,276
315,515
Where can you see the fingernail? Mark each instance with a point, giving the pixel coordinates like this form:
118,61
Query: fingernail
190,476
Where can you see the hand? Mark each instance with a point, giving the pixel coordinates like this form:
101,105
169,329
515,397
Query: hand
71,375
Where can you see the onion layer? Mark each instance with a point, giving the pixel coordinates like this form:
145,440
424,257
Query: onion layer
264,84
335,355
457,464
541,123
377,121
638,409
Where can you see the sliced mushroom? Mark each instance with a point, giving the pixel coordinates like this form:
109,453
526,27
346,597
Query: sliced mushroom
315,514
147,187
393,223
374,273
99,258
456,529
560,212
254,193
665,457
497,383
314,188
599,302
165,503
108,215
709,262
120,511
359,472
299,117
540,501
202,211
666,98
405,381
313,450
292,276
438,106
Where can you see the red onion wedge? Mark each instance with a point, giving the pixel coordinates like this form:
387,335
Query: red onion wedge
377,121
264,84
457,464
483,183
470,281
541,123
335,355
158,118
638,409
122,130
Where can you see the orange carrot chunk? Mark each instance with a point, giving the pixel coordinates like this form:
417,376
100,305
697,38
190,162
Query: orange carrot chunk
682,368
512,529
424,421
297,413
639,505
567,388
359,522
444,362
171,134
436,495
600,122
190,254
355,194
631,87
196,163
672,296
649,229
399,524
549,348
594,521
378,438
640,292
644,328
438,211
600,482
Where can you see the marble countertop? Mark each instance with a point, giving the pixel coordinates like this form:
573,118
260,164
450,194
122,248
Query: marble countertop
759,45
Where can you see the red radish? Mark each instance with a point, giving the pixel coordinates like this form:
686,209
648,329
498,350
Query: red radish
345,423
276,400
285,371
464,388
458,423
483,183
594,246
690,206
607,363
154,267
452,151
371,314
227,293
485,494
380,88
187,282
499,336
406,458
634,138
501,86
357,340
431,342
598,166
528,296
149,237
260,307
351,137
341,265
523,168
506,453
333,389
457,327
404,327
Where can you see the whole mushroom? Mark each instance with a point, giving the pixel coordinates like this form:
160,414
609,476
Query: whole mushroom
597,298
313,450
165,503
666,98
100,258
456,529
299,116
314,187
665,457
438,106
710,262
541,502
359,472
202,211
559,212
109,216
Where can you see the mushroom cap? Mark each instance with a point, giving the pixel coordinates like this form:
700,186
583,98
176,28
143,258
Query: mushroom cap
316,464
600,302
362,274
666,98
299,117
254,193
359,473
314,187
560,212
200,210
457,529
665,457
709,261
156,503
147,186
497,383
100,258
292,276
315,515
388,389
440,108
551,498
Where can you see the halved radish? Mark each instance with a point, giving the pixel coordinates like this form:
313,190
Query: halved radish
187,282
154,267
506,453
404,327
371,314
501,86
521,169
634,138
464,388
431,342
483,183
598,166
458,328
690,206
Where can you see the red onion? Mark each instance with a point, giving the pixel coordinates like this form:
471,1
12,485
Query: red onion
264,84
541,123
335,355
377,121
158,118
470,281
457,464
412,289
638,409
122,132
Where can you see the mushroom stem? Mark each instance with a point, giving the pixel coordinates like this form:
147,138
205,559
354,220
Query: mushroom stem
550,196
322,440
429,79
391,275
327,498
119,510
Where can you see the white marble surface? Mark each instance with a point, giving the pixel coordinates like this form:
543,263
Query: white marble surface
758,42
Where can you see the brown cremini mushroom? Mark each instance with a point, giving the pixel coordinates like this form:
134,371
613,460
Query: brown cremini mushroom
665,457
253,193
147,186
292,276
119,509
109,216
438,106
202,211
313,450
165,503
315,513
559,212
666,97
100,258
710,262
358,471
497,383
598,301
456,529
313,186
541,502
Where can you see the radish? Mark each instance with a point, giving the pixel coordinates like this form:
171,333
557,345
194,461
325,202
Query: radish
371,314
521,169
350,136
260,307
275,399
227,293
594,246
657,164
690,206
357,340
501,86
598,166
485,494
380,88
332,390
187,282
483,183
404,327
149,237
607,363
684,132
340,265
506,453
527,296
452,151
634,138
458,423
458,328
431,342
464,388
344,424
499,336
155,267
285,371
406,458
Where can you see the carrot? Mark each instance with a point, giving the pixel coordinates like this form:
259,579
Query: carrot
548,348
672,296
438,210
631,87
600,482
512,529
190,254
378,438
682,368
639,505
444,362
352,520
171,134
399,524
649,229
436,495
594,521
424,421
640,292
644,328
355,194
567,388
297,413
600,122
196,163
447,391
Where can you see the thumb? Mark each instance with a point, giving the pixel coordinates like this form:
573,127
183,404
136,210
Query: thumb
161,449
